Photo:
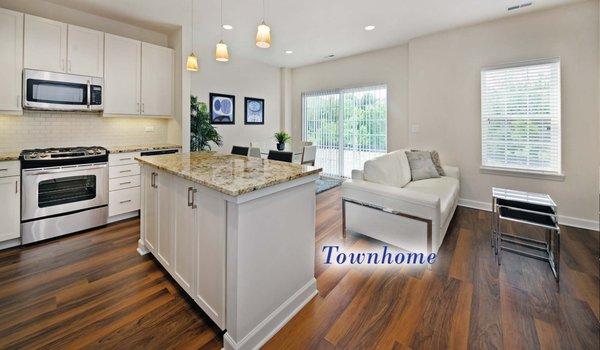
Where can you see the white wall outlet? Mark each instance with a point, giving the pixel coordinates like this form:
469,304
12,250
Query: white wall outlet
414,128
149,129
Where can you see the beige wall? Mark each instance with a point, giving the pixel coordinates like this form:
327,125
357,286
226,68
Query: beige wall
242,78
389,66
67,15
444,98
434,83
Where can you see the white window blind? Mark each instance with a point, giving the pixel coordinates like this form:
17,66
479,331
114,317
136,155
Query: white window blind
348,127
521,117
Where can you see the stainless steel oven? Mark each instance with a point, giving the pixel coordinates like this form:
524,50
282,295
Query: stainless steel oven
62,92
58,190
64,191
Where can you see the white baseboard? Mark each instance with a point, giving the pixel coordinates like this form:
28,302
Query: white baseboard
120,217
10,243
275,321
562,219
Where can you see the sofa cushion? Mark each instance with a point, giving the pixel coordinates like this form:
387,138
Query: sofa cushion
445,187
421,165
390,169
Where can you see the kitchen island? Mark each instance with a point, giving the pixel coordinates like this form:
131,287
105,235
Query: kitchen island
236,233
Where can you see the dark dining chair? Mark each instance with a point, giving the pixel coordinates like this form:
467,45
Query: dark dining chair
281,156
242,151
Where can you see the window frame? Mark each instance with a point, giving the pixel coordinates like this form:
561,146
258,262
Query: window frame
514,171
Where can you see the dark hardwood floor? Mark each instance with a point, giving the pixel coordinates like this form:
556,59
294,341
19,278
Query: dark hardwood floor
92,290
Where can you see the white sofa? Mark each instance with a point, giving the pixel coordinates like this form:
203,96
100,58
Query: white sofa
382,202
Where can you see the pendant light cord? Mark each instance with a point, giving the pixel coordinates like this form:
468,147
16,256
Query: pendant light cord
221,20
192,25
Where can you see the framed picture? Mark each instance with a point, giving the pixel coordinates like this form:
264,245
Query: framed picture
254,110
222,109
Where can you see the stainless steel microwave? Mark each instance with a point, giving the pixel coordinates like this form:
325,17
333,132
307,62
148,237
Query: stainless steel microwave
49,91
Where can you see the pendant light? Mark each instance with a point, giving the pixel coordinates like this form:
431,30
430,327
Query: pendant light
192,60
221,53
263,32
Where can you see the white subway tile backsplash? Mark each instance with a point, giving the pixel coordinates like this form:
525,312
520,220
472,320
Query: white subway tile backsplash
39,129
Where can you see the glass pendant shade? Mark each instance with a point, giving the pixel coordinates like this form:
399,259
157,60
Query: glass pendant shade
192,63
263,36
221,53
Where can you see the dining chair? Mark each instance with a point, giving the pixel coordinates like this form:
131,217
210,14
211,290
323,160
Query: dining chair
281,156
242,151
309,154
254,152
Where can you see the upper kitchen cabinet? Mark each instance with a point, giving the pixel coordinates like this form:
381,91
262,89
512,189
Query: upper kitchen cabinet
85,51
157,80
11,59
122,58
59,47
45,44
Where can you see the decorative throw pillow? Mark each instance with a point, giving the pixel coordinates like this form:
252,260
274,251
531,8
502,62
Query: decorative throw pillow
435,158
421,165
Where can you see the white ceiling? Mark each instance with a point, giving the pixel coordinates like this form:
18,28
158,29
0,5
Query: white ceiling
313,29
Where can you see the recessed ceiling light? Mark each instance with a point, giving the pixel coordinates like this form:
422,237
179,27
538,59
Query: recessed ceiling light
289,52
227,26
369,27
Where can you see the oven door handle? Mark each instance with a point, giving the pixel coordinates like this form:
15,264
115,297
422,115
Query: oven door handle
59,171
89,92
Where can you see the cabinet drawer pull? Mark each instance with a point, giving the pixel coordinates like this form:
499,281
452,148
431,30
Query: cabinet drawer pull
191,192
128,158
153,180
125,183
125,171
5,169
17,186
123,202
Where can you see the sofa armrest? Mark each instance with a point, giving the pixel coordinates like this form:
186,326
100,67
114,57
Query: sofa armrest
452,171
396,198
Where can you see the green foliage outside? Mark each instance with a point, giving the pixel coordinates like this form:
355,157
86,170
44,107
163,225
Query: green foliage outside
365,121
203,133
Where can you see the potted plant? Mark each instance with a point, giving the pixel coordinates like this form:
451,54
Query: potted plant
202,132
282,137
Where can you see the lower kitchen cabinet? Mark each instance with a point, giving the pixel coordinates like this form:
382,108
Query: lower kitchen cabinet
10,202
150,211
185,229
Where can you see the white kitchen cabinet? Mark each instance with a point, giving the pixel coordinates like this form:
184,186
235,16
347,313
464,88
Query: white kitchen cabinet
211,231
45,46
166,233
85,51
10,197
11,59
157,80
185,211
150,212
122,76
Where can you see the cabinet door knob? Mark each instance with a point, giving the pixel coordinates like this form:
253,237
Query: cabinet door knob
17,186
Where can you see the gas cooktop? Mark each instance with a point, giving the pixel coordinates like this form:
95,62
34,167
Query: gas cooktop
46,157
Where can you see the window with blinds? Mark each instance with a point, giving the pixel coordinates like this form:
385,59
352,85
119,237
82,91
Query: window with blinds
348,127
521,117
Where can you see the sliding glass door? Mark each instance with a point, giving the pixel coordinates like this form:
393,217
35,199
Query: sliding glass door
348,127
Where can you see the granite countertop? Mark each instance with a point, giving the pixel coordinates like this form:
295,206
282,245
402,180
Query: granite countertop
136,148
14,155
227,173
